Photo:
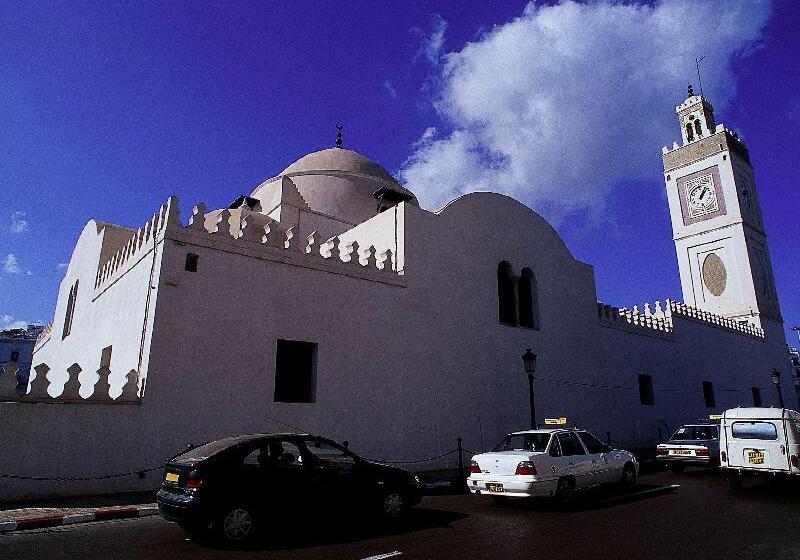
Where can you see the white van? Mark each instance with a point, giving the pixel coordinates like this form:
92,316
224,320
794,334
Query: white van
759,441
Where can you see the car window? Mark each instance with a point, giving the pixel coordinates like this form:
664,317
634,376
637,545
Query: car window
593,445
696,432
754,430
523,442
328,453
555,448
570,444
274,454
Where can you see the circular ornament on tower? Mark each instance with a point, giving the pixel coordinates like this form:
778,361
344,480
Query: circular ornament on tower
715,277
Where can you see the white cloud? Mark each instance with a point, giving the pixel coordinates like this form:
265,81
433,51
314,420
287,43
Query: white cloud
18,222
8,322
433,41
387,85
557,105
61,266
11,264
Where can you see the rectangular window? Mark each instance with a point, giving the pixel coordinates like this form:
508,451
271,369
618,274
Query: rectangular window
754,430
295,371
646,389
73,296
708,394
191,262
756,396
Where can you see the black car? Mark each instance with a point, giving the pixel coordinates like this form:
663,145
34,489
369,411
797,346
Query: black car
239,483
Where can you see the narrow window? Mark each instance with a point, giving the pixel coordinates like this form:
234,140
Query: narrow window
646,389
191,262
505,294
708,394
14,356
295,371
756,396
698,128
689,131
73,295
528,300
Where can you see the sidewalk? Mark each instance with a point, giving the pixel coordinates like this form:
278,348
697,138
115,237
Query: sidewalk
17,516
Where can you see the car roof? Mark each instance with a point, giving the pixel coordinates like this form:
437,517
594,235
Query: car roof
759,412
546,431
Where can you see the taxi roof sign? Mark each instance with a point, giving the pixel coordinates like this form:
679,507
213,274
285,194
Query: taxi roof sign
555,421
715,416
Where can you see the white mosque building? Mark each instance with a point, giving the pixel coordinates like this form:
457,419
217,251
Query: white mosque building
329,301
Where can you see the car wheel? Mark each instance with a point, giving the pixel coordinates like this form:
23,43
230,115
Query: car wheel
677,468
565,491
628,478
394,504
237,524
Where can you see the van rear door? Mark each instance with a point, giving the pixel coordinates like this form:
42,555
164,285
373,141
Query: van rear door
758,444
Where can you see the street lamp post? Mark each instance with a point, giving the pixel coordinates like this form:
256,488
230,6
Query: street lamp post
529,361
776,380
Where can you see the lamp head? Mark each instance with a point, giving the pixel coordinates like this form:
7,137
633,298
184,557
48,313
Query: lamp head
529,361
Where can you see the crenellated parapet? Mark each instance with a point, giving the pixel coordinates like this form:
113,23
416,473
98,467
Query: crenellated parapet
681,309
37,390
140,243
646,321
253,231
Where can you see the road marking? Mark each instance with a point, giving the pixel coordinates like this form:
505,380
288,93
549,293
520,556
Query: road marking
382,556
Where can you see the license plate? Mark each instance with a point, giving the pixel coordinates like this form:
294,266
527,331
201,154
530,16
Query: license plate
680,452
755,457
494,487
171,477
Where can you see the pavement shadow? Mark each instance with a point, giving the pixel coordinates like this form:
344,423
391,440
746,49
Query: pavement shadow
599,498
294,533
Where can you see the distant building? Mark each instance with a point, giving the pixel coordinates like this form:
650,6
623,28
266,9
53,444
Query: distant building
16,354
329,301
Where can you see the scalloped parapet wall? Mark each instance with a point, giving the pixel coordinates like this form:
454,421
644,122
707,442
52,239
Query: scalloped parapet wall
658,317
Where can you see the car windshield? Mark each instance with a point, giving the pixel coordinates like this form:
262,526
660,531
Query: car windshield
523,442
695,433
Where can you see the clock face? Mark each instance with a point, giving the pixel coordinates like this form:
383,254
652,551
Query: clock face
701,196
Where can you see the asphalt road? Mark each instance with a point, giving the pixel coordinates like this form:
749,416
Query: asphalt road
702,519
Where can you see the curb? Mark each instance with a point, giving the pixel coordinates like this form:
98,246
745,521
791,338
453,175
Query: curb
72,519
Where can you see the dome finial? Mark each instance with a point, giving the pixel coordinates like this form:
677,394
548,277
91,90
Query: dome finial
691,91
339,135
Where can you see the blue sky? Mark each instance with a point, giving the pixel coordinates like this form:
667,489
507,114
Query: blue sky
107,109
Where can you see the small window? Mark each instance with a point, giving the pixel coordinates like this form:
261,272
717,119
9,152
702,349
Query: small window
689,131
295,371
15,356
698,128
570,445
274,454
754,430
528,299
756,396
326,453
505,294
708,394
646,389
191,262
593,445
73,296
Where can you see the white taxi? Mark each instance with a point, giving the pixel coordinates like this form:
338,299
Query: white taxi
549,462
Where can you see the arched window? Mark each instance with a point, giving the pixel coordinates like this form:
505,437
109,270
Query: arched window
689,131
505,294
528,300
73,295
698,128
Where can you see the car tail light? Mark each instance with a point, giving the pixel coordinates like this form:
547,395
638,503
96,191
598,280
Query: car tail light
702,452
661,450
794,461
193,481
723,457
526,468
474,467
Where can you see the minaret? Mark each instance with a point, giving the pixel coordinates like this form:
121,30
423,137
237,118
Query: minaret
716,219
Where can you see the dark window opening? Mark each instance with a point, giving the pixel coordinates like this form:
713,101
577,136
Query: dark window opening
191,262
14,356
73,295
505,294
708,394
689,131
295,371
698,128
756,396
646,389
528,300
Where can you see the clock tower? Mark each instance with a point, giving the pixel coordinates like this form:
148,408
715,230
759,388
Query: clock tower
716,219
